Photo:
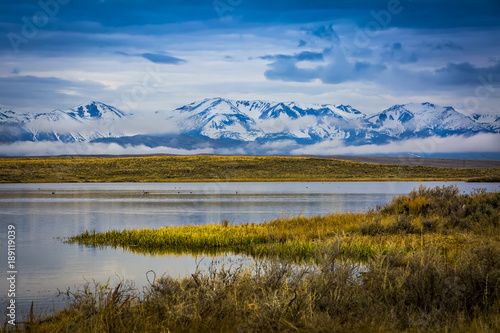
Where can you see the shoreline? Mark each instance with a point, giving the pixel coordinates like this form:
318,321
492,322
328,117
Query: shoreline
384,270
180,181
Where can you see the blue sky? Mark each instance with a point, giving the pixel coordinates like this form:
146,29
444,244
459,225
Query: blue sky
143,56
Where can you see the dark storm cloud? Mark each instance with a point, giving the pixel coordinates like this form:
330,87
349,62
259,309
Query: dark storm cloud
468,74
32,92
157,58
162,58
324,32
116,13
61,43
337,71
395,52
303,56
92,24
343,72
287,70
449,45
484,81
409,49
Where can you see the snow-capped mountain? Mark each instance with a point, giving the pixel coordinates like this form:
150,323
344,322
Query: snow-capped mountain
217,119
9,116
484,118
219,122
422,120
82,123
306,123
95,110
9,126
493,121
251,120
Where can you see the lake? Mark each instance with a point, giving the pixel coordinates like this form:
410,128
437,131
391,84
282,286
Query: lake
43,212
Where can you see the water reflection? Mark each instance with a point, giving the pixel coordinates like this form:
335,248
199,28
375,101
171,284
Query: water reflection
43,212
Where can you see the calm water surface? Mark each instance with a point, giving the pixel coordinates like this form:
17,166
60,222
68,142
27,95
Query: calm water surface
43,212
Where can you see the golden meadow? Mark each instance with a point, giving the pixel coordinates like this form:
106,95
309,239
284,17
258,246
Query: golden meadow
220,168
425,262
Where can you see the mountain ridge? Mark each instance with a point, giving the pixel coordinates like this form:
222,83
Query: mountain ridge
218,122
82,123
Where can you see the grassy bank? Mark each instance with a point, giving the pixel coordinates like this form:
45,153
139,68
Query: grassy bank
441,216
426,262
219,168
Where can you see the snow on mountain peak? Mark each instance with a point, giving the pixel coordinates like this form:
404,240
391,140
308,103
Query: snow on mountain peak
485,118
9,116
249,120
82,123
348,109
258,109
95,110
413,118
218,117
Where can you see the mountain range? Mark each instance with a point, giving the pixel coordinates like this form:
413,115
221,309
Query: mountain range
219,122
83,123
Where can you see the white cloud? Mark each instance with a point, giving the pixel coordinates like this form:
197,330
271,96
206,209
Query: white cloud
59,148
228,64
284,123
452,144
487,143
69,92
147,124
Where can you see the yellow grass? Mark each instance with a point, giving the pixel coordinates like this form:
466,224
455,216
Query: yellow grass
218,169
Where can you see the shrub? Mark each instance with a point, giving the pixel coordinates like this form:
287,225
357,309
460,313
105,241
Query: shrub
463,211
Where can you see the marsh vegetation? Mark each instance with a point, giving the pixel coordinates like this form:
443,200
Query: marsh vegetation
427,261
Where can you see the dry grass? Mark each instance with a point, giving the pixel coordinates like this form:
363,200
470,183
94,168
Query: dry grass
391,293
440,216
218,168
426,262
